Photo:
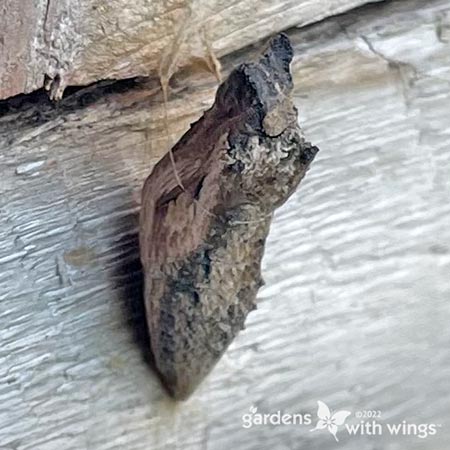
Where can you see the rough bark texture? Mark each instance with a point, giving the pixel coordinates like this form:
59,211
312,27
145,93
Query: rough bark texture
72,42
206,212
355,308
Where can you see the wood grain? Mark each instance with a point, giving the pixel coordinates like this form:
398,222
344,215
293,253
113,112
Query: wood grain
63,43
355,309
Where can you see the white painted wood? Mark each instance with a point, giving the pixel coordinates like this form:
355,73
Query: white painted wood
355,310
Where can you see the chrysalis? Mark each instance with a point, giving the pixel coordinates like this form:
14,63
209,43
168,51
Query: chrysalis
206,213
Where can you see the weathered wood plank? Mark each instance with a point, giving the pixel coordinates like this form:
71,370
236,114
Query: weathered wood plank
355,310
79,42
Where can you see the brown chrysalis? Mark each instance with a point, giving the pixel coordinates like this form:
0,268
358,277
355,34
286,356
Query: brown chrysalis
206,212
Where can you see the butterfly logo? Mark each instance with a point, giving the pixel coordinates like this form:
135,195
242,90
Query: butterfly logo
328,420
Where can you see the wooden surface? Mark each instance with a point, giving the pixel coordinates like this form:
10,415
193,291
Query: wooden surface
79,42
355,309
